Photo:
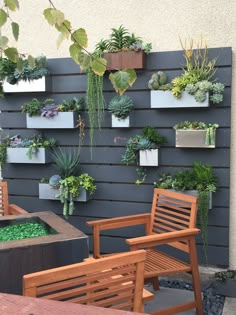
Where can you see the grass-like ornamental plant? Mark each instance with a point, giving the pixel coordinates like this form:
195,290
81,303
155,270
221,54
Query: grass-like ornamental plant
121,106
22,231
201,178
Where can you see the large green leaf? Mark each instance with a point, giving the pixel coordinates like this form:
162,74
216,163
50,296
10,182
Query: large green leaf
3,42
51,18
3,17
80,37
84,60
12,4
132,75
15,30
31,62
64,30
74,52
120,81
11,53
58,16
20,64
99,66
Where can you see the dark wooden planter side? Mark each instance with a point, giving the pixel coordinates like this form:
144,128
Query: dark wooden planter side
125,59
21,257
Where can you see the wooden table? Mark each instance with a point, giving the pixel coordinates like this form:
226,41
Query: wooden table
20,305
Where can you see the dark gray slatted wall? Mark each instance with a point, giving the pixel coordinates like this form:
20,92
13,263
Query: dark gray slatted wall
116,192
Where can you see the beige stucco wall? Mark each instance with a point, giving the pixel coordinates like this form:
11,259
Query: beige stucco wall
156,21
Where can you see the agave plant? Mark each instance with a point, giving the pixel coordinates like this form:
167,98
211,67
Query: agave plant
67,162
121,106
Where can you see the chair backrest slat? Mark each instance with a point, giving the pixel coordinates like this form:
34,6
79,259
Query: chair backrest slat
172,211
115,281
3,198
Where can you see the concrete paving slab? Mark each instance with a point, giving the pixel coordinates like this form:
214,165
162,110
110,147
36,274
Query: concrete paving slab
167,297
229,306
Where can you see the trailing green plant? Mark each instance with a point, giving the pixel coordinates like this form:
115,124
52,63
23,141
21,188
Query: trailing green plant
32,143
121,40
70,188
121,106
150,139
201,178
198,125
95,102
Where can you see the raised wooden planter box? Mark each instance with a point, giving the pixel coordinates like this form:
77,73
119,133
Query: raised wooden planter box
195,193
119,122
39,85
125,59
47,192
165,99
66,246
63,120
148,157
19,155
192,139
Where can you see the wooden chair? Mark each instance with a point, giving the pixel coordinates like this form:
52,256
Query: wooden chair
5,207
115,282
172,221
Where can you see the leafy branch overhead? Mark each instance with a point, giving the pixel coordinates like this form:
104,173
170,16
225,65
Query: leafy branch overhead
121,80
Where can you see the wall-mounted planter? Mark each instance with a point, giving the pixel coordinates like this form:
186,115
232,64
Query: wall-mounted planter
192,139
195,193
165,99
148,157
125,59
63,120
47,192
39,85
226,287
119,122
19,155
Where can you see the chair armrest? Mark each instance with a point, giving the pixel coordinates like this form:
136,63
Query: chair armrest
164,238
107,224
14,209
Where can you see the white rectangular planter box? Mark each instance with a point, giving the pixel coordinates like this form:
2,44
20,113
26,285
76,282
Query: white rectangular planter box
63,120
165,99
19,155
194,193
119,122
39,85
148,157
191,139
47,192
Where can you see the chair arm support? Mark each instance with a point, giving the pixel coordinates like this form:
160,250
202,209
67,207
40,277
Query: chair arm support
14,209
164,238
107,224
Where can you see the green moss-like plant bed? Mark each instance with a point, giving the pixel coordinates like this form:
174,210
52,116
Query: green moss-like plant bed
22,231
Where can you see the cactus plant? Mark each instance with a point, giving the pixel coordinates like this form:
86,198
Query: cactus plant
158,81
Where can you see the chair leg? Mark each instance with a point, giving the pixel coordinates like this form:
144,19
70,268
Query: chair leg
196,277
154,281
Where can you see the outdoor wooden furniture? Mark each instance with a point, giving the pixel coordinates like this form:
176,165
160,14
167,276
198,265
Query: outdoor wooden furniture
22,305
172,221
115,282
5,207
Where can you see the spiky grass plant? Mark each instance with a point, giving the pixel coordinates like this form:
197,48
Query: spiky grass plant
67,162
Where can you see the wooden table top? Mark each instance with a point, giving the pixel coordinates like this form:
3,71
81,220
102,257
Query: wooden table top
20,305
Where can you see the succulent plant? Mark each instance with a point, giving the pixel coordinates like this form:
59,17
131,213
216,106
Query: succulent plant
54,181
191,89
204,86
216,98
158,81
218,88
145,144
200,96
120,106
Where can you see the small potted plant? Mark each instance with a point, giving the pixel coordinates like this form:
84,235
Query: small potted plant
47,115
194,134
120,107
199,181
33,150
32,78
67,186
123,50
193,88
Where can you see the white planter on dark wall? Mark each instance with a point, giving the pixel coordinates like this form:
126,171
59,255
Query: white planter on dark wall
148,157
119,122
19,155
165,99
63,120
192,139
39,85
49,193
